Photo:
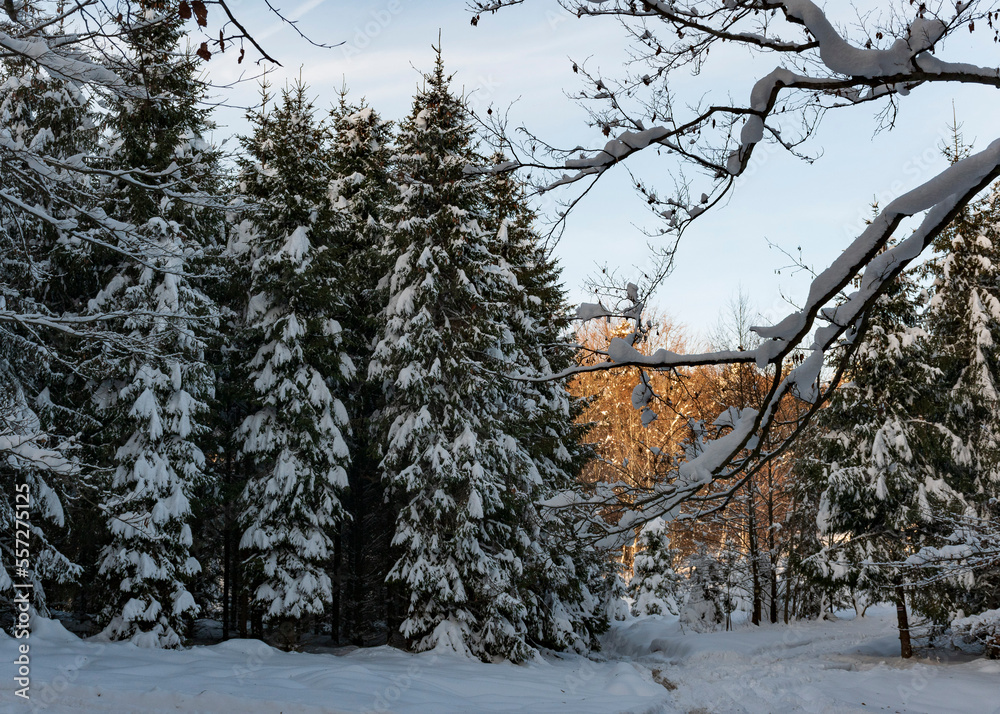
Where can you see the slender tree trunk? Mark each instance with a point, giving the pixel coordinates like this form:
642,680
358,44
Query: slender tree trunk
356,546
243,607
903,622
256,623
394,603
772,546
338,581
773,613
226,575
754,557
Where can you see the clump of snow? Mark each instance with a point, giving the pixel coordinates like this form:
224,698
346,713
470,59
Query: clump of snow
590,311
983,628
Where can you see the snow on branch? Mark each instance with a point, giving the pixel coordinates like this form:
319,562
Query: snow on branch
969,545
59,60
973,544
829,71
28,453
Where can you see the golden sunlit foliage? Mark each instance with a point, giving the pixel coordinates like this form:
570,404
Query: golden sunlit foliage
745,534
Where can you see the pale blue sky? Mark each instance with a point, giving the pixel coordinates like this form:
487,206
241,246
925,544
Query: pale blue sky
520,56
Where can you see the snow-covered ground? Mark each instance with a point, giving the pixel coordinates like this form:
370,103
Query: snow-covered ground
648,665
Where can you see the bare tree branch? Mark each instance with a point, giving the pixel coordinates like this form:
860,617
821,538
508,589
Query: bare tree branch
887,57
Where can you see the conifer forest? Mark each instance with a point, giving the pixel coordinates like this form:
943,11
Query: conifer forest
312,410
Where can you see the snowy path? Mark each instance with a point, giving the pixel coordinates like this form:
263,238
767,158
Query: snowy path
652,668
843,666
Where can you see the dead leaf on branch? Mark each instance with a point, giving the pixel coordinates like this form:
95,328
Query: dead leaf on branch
200,13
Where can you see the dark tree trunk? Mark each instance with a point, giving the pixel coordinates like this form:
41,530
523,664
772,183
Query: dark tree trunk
359,615
256,623
243,606
903,622
335,606
226,584
754,557
774,595
772,546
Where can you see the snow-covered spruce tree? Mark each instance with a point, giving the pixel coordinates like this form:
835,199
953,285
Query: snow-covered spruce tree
42,116
155,470
654,586
565,576
32,468
808,589
217,506
707,603
151,402
361,187
296,364
455,476
880,455
963,320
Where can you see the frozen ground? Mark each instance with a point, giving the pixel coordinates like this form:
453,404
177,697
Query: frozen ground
648,666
